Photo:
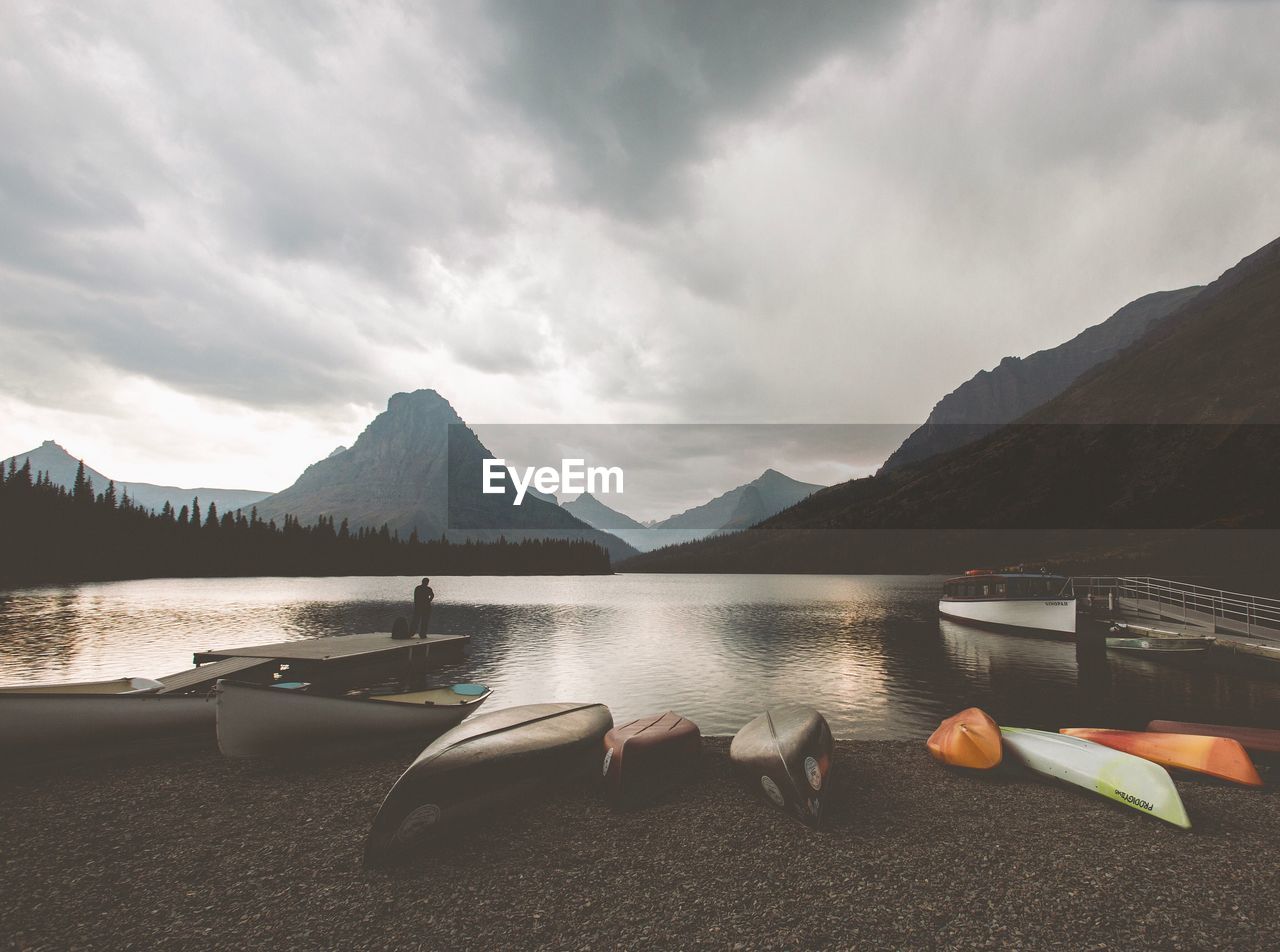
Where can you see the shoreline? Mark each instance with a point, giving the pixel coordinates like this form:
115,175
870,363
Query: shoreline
199,851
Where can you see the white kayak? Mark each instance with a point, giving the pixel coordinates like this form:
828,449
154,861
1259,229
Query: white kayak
1112,773
275,721
40,721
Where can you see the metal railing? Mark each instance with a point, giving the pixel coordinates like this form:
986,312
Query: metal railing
1194,604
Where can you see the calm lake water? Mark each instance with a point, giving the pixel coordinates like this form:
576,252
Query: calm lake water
868,651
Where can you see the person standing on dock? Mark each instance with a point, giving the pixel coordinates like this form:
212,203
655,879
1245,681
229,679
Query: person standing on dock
422,599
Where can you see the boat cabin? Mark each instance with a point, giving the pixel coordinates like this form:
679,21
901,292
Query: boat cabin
988,586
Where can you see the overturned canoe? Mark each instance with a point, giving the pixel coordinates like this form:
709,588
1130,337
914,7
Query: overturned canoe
1258,740
649,757
1114,774
968,739
270,721
1219,757
785,755
44,721
484,766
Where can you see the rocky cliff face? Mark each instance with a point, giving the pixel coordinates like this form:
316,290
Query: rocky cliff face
992,398
418,466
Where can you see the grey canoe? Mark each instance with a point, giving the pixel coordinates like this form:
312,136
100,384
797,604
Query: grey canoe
784,755
483,767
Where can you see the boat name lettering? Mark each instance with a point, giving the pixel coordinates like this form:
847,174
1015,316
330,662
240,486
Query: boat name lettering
1056,603
1135,801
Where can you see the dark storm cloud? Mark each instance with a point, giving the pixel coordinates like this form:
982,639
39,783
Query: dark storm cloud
626,93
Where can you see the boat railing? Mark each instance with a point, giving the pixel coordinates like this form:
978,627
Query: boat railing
1193,604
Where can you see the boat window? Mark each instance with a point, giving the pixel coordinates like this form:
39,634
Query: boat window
1000,589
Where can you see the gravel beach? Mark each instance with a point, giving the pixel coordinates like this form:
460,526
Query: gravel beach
199,852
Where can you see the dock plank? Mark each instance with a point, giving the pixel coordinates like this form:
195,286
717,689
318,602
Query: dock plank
333,648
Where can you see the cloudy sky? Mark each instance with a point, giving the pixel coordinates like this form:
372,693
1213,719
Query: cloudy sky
229,232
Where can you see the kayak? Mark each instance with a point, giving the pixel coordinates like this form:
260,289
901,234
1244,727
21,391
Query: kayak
1257,740
486,765
1114,774
649,757
1216,756
968,739
277,721
785,755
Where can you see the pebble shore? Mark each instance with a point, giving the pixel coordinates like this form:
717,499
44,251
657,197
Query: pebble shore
197,852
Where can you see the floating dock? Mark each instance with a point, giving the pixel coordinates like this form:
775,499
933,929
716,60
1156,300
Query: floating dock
332,660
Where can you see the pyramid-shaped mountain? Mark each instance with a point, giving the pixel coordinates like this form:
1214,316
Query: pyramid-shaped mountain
419,467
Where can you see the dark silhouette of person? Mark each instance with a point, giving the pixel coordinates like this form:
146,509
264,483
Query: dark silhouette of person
422,599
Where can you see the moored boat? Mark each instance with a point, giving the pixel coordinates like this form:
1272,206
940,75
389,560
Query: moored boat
1011,600
1219,757
1157,643
785,756
967,739
649,757
1257,740
46,720
1118,776
484,766
274,721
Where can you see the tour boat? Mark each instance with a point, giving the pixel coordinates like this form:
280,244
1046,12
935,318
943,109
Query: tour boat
1013,599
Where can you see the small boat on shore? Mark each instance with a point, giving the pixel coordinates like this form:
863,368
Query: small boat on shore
649,757
1011,600
1219,757
280,721
968,739
785,756
484,766
1114,774
1257,740
1156,643
40,721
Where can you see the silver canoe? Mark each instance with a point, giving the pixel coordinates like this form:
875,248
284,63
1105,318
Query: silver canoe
785,755
264,721
488,764
45,720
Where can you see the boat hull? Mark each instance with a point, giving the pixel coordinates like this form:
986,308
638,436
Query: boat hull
1113,774
1056,615
649,757
1219,757
484,767
968,739
1257,740
38,726
259,721
784,756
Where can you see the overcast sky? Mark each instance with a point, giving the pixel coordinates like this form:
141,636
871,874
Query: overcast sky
229,232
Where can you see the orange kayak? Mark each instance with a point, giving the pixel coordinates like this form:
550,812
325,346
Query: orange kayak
1216,756
968,739
1260,740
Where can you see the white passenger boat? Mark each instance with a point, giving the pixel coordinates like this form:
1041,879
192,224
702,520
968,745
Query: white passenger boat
283,720
39,721
1011,600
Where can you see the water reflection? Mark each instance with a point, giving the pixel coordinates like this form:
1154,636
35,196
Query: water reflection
870,652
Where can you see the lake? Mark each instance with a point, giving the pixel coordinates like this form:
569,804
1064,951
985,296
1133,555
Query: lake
868,651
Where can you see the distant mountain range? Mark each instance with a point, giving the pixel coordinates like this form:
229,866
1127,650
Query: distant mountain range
992,398
1174,435
61,466
768,494
418,467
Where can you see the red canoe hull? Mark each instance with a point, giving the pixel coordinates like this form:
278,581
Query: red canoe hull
649,757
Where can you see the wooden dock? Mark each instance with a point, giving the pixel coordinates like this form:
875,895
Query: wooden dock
337,660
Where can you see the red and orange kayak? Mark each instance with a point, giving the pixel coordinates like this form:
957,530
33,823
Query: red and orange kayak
968,739
1219,757
1258,740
